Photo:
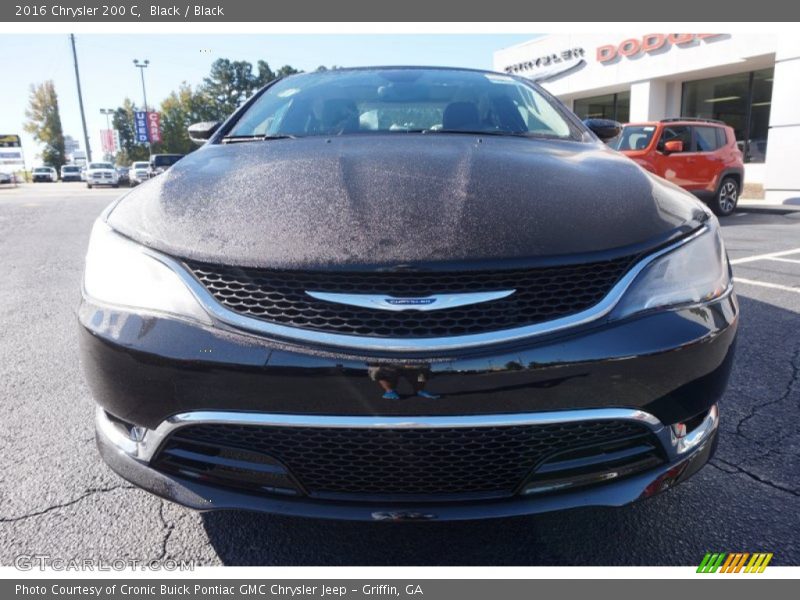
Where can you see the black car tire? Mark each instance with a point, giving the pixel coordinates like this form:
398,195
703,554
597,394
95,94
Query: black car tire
89,185
726,198
116,185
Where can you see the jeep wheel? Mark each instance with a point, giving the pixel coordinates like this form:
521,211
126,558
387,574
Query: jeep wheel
727,197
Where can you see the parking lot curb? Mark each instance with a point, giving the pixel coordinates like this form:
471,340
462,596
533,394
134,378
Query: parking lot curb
759,206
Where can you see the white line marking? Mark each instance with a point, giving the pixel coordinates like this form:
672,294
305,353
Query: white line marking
747,259
774,286
794,261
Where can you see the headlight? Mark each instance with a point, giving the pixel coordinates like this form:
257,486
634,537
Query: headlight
123,273
695,272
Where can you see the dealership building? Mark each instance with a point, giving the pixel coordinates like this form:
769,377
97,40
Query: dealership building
749,81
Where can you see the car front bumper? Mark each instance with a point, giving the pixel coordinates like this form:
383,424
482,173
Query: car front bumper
124,456
157,374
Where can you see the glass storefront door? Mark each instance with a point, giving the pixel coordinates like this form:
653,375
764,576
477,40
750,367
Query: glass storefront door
742,101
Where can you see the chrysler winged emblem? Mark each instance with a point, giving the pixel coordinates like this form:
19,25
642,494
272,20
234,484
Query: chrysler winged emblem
397,303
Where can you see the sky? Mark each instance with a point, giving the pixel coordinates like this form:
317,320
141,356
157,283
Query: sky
108,74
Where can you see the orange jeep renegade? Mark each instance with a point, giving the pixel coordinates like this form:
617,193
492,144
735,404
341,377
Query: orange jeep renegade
700,155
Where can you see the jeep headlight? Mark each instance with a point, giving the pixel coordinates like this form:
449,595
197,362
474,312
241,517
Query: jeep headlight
122,273
693,273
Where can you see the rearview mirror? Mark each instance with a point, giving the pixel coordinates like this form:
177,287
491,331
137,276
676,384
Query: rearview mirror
673,146
605,129
200,132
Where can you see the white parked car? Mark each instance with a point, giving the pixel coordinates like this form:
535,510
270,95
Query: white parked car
139,172
44,174
70,173
101,173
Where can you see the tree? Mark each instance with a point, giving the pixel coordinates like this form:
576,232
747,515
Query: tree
179,110
286,70
44,123
229,84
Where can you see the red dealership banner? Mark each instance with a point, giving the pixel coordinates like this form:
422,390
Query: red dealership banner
154,127
110,140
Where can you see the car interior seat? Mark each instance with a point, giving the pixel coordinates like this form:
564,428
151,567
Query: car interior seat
461,116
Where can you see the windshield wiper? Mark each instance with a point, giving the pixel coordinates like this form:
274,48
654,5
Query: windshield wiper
233,139
476,132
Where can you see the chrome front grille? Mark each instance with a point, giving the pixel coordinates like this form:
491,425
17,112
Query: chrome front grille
541,295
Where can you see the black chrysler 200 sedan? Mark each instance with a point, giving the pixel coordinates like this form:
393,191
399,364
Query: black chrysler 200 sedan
406,293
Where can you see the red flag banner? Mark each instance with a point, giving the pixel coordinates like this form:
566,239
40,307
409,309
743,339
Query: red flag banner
154,127
107,137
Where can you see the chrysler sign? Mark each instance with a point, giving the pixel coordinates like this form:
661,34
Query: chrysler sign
649,43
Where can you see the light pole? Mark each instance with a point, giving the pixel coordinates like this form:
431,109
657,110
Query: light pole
108,112
80,99
142,65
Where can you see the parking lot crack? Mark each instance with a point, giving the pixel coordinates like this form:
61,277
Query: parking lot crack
790,388
730,468
168,527
54,507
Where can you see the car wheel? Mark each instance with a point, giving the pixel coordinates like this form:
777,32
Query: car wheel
89,185
115,185
727,197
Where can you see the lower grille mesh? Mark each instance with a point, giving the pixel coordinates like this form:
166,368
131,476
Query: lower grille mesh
493,461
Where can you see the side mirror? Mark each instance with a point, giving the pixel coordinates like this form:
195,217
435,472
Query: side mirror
673,146
200,132
605,129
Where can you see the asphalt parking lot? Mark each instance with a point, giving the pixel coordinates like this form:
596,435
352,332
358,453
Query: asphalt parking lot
58,498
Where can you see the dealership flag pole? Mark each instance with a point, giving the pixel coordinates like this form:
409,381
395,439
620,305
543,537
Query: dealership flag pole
80,99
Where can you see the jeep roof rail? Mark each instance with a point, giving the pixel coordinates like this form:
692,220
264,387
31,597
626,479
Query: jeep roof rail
698,119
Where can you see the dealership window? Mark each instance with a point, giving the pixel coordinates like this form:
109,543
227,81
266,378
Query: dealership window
608,106
741,100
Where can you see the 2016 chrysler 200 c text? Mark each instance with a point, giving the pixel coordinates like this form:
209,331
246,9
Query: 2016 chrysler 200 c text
406,293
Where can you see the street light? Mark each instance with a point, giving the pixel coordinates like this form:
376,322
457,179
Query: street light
107,112
142,65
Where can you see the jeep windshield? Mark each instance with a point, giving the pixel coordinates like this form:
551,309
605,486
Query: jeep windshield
401,100
634,137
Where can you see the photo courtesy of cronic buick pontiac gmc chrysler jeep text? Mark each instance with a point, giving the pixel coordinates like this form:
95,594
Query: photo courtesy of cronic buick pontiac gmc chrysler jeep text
406,293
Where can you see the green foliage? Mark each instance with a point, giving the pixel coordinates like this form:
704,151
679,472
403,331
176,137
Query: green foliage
230,83
227,86
44,123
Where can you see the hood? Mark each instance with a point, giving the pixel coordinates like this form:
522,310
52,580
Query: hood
402,199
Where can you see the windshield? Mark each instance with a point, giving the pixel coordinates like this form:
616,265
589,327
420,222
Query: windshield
401,101
70,169
634,137
41,170
101,166
166,160
140,165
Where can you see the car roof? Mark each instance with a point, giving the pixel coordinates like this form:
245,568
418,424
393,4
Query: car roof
402,67
414,68
702,122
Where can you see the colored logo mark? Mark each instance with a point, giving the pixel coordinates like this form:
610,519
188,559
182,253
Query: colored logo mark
735,562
